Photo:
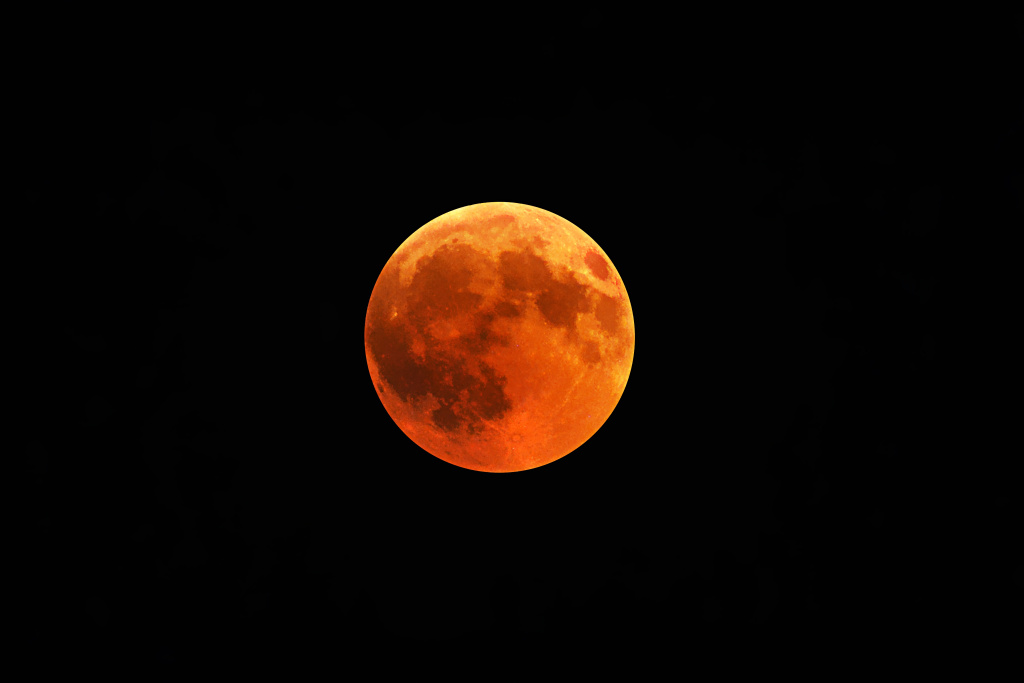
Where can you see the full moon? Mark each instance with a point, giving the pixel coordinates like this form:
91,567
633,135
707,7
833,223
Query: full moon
499,337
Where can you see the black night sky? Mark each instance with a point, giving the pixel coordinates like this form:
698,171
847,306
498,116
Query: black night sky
794,204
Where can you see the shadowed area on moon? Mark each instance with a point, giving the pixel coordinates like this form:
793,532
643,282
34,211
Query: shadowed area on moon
469,392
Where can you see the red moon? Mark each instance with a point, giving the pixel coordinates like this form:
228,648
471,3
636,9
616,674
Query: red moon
499,337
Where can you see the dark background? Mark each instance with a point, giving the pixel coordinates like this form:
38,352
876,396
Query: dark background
794,202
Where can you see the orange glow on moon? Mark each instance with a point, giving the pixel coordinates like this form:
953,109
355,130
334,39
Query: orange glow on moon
499,337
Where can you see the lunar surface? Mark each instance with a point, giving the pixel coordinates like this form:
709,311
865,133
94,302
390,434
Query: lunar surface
499,337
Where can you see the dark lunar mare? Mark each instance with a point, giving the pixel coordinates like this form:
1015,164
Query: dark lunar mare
471,392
